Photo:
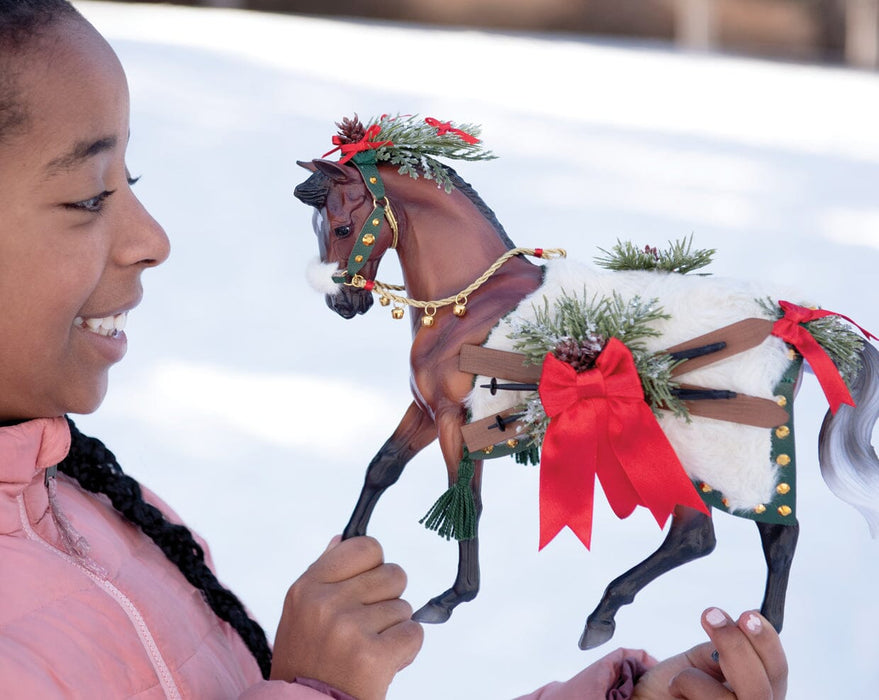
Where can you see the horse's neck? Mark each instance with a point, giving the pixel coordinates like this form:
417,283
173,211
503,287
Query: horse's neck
445,242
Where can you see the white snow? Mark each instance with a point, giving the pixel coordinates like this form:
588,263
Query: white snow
254,410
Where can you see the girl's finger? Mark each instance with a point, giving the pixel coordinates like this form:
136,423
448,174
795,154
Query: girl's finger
764,639
694,684
740,663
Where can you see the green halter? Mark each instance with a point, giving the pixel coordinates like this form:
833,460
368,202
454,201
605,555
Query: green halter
366,164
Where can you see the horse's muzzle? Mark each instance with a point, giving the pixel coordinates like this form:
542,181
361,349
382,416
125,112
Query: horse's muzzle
348,302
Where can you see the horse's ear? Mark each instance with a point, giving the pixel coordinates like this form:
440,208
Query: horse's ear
334,171
307,164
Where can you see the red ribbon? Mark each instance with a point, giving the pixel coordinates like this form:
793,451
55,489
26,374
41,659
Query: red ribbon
446,127
789,329
601,426
349,149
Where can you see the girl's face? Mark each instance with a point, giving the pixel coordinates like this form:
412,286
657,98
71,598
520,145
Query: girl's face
74,239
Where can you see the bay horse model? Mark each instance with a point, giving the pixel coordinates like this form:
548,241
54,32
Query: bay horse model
447,240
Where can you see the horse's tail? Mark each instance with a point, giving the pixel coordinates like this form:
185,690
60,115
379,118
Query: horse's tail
848,461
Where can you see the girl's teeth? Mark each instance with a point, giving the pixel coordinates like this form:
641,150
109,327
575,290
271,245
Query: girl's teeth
108,326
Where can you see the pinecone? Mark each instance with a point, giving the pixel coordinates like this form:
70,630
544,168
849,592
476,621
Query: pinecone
580,354
351,130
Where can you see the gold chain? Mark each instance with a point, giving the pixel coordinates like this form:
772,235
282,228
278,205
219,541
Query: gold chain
387,290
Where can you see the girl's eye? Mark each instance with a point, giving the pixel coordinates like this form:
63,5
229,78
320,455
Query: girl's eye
93,205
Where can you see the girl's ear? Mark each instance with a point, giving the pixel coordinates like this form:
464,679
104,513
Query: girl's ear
337,173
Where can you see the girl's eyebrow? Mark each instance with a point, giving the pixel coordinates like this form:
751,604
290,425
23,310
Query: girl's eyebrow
81,151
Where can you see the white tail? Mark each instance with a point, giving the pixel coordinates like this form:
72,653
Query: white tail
848,461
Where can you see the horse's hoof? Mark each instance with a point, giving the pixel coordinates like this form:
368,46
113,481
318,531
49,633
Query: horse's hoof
597,633
433,614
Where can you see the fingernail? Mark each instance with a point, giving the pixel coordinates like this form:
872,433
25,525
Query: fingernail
715,617
753,623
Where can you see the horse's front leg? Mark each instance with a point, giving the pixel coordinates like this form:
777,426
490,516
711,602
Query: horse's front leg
690,536
415,432
466,585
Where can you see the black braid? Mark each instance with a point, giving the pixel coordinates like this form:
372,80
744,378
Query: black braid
96,470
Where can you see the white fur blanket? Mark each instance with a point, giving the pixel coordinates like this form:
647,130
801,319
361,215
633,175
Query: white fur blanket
733,459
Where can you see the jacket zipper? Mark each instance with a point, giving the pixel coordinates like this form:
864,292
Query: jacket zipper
146,638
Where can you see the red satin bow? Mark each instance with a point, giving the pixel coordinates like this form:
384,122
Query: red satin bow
789,329
601,425
349,149
446,127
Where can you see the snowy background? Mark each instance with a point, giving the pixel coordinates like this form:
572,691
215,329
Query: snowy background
244,400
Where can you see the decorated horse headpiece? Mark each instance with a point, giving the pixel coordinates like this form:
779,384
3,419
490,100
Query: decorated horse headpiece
414,144
410,142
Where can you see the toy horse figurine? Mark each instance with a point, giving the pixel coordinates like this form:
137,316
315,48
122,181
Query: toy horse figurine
675,390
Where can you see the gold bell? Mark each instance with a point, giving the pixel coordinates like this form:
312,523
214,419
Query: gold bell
397,312
383,300
428,319
460,307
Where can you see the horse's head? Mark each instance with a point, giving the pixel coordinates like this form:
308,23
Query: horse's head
354,227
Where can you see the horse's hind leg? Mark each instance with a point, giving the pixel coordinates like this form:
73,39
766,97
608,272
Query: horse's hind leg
415,431
690,536
779,545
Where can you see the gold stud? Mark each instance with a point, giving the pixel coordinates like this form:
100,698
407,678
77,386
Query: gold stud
368,239
759,508
784,511
397,313
383,300
705,488
376,222
373,180
782,431
488,450
725,502
512,443
358,258
782,488
781,400
782,460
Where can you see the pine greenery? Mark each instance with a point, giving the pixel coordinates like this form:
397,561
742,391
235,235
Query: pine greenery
834,335
678,257
417,145
592,322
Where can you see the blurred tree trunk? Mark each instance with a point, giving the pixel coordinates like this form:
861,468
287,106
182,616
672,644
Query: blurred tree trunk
862,33
696,23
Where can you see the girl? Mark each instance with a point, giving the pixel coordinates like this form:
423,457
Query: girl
103,592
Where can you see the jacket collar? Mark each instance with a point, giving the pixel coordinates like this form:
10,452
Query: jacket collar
26,451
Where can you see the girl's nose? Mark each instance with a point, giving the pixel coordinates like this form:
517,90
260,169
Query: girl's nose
146,243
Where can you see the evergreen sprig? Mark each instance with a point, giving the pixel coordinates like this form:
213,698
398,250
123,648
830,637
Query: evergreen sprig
592,322
834,335
678,257
417,145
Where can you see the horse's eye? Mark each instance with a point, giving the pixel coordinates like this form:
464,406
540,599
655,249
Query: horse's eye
342,231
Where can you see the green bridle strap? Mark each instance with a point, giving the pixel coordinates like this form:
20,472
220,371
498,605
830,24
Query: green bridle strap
366,239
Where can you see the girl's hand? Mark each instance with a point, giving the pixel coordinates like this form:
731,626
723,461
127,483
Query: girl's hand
345,624
750,664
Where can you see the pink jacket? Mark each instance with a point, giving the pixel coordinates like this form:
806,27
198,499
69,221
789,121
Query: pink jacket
109,621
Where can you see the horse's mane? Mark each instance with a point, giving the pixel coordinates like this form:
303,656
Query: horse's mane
315,189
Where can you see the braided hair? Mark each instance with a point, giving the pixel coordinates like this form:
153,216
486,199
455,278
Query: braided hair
96,469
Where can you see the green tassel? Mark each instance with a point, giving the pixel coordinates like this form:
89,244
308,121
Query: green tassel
529,456
454,513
